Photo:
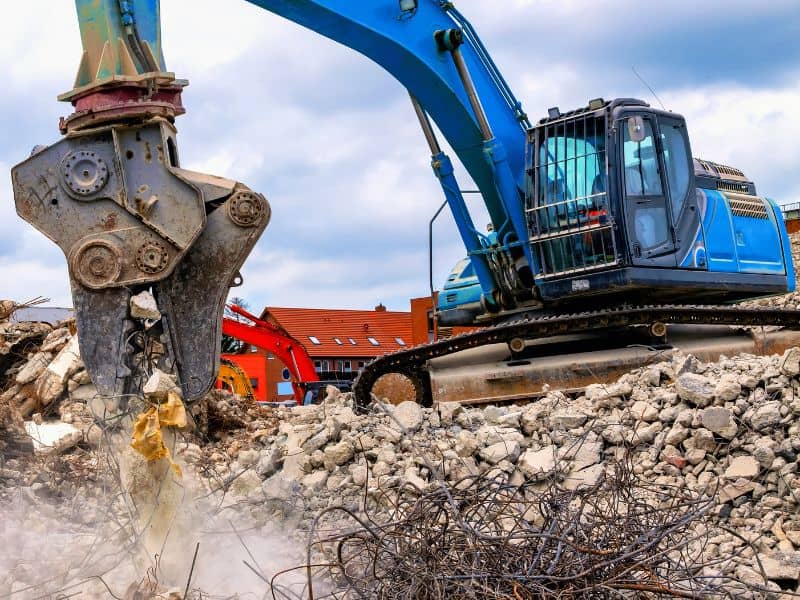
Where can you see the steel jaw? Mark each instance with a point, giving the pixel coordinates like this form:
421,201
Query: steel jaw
129,219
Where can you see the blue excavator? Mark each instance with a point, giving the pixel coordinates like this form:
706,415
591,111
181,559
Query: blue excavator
600,217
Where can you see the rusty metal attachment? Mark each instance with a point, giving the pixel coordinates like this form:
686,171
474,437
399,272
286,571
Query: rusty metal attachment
247,208
78,193
113,197
98,195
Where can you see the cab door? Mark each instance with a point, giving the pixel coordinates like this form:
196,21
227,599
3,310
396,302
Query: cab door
684,207
651,238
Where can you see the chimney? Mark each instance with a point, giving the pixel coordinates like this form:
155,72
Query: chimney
380,308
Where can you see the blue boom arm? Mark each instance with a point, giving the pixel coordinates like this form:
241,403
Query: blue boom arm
491,146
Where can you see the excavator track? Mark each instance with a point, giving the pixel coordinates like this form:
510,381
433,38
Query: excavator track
411,363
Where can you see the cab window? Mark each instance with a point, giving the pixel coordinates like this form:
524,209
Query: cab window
641,164
676,161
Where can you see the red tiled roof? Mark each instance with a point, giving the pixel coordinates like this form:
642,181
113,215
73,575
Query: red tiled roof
326,325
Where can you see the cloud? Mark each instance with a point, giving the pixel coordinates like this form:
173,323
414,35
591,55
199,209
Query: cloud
752,129
333,143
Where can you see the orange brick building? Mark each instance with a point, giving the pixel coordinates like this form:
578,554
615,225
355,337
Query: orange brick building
340,342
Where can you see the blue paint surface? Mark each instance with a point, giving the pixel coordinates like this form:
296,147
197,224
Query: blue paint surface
739,244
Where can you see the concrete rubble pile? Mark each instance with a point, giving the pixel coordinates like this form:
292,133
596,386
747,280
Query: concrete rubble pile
729,429
52,372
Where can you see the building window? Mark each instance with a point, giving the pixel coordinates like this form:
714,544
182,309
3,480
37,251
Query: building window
338,341
317,366
314,340
399,341
352,341
361,364
347,366
373,341
254,383
253,349
270,356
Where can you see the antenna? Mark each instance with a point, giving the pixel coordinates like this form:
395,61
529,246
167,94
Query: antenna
652,91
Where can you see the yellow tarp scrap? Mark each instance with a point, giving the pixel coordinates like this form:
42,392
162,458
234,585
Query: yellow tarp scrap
172,413
147,439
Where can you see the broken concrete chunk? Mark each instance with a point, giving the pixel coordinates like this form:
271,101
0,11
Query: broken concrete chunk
448,411
763,452
728,388
644,411
143,306
702,439
6,308
781,566
790,362
269,462
337,455
567,418
598,393
332,394
408,415
584,478
766,416
583,452
159,386
720,421
695,389
34,367
744,467
536,463
493,454
466,443
53,381
734,490
53,436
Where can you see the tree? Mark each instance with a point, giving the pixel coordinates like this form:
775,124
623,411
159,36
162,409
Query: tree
231,345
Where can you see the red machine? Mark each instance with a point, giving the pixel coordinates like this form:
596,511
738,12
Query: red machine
267,336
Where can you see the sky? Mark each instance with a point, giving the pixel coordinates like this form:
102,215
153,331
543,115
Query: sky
332,141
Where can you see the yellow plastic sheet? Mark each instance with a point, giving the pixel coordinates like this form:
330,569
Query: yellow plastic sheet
147,438
172,413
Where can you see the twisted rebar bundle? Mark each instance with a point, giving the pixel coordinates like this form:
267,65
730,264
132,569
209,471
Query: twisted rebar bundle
483,537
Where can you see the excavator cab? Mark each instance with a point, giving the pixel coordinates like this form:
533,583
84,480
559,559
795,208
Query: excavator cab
616,205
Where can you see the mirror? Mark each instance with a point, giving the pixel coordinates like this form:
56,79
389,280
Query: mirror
636,129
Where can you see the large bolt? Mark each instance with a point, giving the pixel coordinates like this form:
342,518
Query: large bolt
96,264
247,208
152,257
84,172
516,345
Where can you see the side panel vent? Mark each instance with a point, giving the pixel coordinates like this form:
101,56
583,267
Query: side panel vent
743,205
728,186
